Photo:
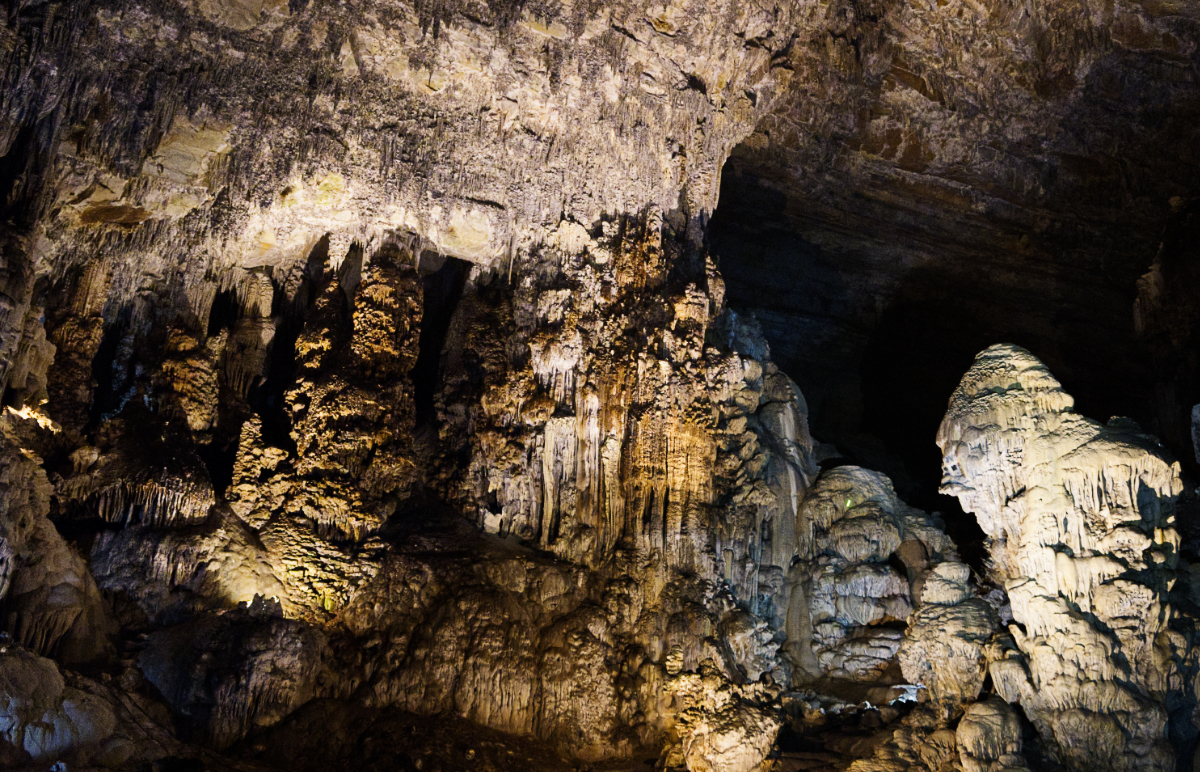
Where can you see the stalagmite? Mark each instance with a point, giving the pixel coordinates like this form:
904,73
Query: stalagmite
845,588
1080,524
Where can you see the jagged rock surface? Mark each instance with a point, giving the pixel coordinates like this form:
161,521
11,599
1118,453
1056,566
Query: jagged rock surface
989,738
43,718
945,645
49,716
1080,524
605,428
256,669
665,512
956,175
847,600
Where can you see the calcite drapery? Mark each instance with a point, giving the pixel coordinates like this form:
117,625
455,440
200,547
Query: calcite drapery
1080,525
630,602
642,439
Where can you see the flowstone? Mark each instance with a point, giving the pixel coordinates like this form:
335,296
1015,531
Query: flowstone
1079,518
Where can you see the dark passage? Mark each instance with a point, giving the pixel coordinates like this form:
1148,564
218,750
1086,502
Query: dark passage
267,398
111,370
442,280
878,316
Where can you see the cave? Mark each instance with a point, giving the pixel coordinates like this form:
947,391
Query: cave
719,387
877,326
441,288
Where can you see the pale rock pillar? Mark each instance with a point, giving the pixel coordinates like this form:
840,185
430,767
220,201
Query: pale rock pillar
1080,525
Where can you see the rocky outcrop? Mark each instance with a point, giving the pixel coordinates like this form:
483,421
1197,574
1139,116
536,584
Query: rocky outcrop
228,675
660,465
932,190
44,720
481,628
638,504
25,354
160,575
476,129
945,645
1080,524
863,561
49,601
989,738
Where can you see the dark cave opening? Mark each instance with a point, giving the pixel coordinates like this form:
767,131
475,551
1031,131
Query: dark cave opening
224,312
878,328
219,459
442,282
267,398
14,168
109,376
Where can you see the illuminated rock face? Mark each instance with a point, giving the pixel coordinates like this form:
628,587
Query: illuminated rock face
631,468
43,718
572,156
944,646
365,366
614,423
864,559
1080,524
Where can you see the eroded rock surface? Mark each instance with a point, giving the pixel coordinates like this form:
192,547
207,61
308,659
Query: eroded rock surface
862,559
1080,523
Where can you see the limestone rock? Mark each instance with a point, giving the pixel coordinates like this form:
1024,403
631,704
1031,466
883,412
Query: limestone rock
721,728
1080,525
190,373
231,222
843,587
944,649
51,603
42,717
230,674
945,645
923,741
989,738
25,353
172,573
143,469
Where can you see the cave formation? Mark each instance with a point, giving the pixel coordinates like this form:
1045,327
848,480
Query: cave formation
552,386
